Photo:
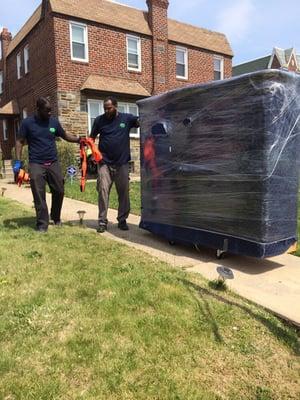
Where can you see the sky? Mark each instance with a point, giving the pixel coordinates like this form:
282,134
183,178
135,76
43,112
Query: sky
253,27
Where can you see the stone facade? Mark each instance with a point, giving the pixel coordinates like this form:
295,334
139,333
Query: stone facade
72,112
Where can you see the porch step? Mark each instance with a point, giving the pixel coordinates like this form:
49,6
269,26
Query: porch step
8,170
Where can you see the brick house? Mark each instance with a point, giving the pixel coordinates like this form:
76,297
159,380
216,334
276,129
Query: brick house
77,52
287,60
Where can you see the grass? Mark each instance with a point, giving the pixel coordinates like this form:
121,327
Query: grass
90,195
83,317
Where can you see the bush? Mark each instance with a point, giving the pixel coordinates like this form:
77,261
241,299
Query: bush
67,155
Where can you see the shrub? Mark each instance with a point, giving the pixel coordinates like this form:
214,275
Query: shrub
67,155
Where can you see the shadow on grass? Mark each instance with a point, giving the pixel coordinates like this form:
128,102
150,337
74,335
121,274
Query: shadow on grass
16,223
249,265
283,333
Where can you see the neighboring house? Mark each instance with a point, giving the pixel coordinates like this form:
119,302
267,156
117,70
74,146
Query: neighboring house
77,52
287,60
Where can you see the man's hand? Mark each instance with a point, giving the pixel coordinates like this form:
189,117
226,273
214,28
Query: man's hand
17,166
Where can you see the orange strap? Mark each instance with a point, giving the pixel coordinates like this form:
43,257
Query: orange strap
150,156
97,157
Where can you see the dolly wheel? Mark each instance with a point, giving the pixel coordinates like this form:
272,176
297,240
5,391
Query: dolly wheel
220,254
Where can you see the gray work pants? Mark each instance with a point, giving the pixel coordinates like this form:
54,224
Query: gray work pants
107,175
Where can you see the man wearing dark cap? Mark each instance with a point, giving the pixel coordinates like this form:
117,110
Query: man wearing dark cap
40,132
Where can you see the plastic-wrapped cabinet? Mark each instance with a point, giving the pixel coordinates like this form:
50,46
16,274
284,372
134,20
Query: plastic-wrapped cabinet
219,163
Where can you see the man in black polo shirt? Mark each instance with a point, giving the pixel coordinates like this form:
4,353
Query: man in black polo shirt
114,144
40,132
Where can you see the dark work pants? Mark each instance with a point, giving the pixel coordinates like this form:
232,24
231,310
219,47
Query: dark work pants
107,175
40,175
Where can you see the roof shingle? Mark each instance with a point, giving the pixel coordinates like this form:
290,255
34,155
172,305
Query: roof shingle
10,108
27,27
114,85
130,19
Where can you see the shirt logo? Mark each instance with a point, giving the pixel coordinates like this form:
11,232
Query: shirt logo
52,130
122,125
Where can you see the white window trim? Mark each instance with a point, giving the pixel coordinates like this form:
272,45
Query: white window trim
139,69
186,62
26,59
89,102
127,105
19,65
4,126
222,65
86,42
1,82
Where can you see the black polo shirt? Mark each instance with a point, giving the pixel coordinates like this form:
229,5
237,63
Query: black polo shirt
40,136
114,142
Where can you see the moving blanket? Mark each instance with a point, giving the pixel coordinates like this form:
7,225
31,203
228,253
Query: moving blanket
219,163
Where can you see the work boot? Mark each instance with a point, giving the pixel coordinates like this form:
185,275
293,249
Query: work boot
42,230
101,228
57,223
123,226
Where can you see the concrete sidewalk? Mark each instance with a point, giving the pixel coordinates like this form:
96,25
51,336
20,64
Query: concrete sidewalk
272,283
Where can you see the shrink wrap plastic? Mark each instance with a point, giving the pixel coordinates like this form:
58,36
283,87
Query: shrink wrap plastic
219,162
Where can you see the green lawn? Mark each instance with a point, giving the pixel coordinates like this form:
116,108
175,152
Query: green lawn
90,194
84,317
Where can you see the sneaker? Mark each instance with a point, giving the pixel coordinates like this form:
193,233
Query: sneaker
101,228
123,226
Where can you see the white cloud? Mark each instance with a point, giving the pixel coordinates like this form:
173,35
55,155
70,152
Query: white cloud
236,20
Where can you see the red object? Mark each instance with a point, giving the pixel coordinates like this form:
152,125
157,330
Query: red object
22,177
97,157
150,157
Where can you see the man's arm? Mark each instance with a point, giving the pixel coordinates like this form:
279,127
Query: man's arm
70,138
65,135
135,122
20,142
95,130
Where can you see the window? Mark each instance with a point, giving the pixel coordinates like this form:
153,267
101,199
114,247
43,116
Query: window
19,65
1,82
26,59
133,53
24,113
218,68
181,63
5,130
130,108
95,108
79,42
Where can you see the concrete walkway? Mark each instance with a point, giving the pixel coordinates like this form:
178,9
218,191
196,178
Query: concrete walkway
272,283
